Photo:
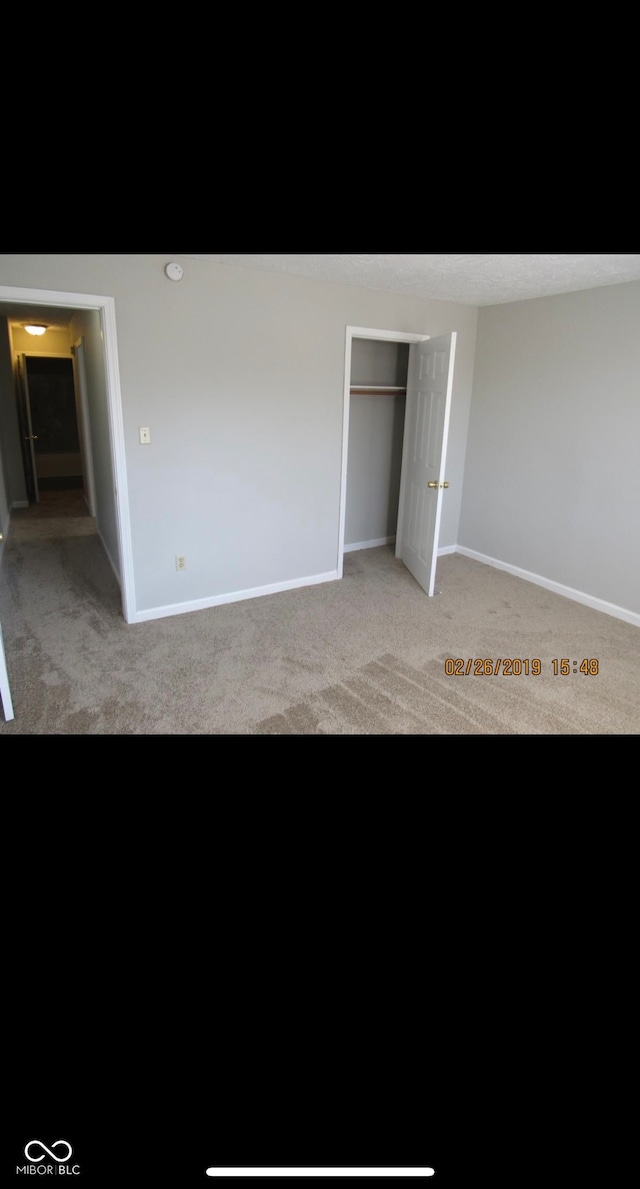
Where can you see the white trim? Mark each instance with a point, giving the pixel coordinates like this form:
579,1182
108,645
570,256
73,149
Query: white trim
106,307
394,336
84,422
235,597
568,592
5,689
45,354
116,428
319,1172
369,544
358,332
390,541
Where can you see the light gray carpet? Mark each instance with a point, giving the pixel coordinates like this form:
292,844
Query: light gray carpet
363,656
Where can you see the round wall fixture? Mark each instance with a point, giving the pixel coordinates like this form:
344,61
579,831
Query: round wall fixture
174,272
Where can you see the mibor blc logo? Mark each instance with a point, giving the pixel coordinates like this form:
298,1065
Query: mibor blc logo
51,1162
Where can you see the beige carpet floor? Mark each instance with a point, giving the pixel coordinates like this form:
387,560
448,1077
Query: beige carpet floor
368,655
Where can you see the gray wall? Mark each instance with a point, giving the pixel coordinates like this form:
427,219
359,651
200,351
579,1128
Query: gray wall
240,377
374,361
552,475
85,324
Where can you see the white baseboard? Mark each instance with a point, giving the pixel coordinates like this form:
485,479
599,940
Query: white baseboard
391,541
369,544
332,576
236,597
568,592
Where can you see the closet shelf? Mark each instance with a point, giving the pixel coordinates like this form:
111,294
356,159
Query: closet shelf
376,389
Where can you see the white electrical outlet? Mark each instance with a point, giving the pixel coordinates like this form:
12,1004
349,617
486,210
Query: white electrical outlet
181,562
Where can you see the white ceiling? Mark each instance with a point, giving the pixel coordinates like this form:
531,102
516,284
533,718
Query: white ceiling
475,279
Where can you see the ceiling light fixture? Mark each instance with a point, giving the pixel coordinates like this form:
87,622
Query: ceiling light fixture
34,327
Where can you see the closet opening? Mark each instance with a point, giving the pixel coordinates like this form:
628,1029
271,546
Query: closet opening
377,399
425,364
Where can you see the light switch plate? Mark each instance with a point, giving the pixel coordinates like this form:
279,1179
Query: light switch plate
145,435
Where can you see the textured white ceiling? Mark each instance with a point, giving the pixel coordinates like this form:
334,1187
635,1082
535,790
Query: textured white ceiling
477,280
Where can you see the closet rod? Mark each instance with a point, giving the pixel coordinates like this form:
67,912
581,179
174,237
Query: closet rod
376,389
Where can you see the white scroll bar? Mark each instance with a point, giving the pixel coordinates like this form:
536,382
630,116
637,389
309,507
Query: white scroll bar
320,1172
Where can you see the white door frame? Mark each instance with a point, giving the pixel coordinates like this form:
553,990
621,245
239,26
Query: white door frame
84,422
359,332
106,309
5,689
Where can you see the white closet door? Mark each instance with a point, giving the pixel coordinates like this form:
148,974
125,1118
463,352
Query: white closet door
5,692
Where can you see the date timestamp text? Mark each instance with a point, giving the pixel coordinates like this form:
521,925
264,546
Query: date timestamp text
518,666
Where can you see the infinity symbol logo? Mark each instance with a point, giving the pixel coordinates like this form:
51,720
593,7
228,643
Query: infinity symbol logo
59,1159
